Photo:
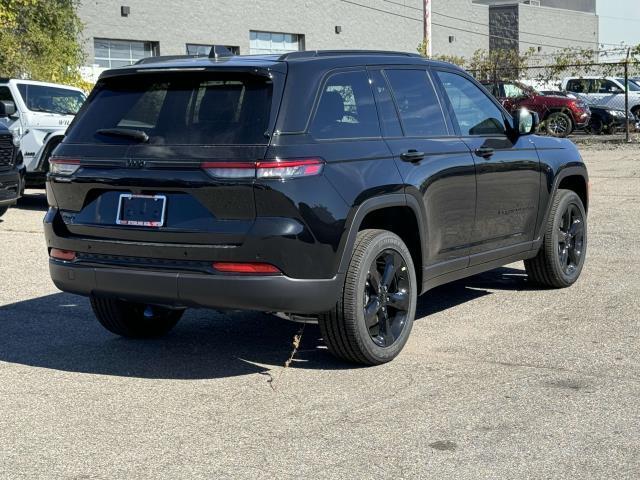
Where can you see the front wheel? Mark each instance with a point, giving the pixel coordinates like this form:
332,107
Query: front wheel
134,320
559,125
372,319
3,210
561,257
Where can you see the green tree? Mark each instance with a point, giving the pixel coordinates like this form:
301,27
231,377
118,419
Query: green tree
39,40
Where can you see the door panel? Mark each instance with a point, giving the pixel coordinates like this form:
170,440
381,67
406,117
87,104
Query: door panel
508,185
436,166
507,171
444,182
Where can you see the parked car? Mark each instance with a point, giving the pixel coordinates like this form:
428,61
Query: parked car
603,119
560,115
604,92
607,120
11,171
331,186
42,113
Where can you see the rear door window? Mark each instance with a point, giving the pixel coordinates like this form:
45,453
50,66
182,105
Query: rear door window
417,102
386,108
179,109
346,108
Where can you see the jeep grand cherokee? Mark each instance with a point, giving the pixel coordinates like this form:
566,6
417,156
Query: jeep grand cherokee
332,185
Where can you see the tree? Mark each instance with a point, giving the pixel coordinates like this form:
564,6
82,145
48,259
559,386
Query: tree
499,64
39,40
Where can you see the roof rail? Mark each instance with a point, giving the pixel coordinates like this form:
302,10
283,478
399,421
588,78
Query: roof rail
335,53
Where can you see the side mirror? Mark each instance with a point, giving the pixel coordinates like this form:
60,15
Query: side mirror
525,122
7,108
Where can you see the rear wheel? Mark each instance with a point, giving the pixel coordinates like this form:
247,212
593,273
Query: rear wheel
372,320
562,255
559,125
3,210
134,320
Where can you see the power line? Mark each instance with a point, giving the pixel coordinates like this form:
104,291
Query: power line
382,11
517,30
504,28
403,5
457,28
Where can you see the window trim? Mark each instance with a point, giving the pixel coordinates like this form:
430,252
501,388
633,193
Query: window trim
316,105
505,115
448,125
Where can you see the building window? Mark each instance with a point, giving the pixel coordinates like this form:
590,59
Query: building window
268,42
119,53
203,50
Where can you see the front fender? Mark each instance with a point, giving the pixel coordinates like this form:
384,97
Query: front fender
559,159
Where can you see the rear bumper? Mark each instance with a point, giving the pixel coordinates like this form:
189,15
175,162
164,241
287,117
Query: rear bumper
9,187
276,293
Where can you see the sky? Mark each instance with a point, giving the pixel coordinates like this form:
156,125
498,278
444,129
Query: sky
619,21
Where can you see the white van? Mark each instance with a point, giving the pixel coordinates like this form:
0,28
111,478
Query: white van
604,91
43,113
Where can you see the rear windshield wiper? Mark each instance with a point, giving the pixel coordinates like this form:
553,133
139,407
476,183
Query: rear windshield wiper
138,135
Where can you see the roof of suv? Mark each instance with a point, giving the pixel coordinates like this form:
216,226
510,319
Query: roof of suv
276,62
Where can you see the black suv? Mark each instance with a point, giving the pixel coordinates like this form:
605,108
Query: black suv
335,186
11,172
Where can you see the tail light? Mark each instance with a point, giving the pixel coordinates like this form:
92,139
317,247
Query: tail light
285,169
65,255
255,268
271,169
63,166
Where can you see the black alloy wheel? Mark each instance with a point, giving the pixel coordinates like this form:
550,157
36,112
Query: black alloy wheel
562,255
386,298
571,239
374,314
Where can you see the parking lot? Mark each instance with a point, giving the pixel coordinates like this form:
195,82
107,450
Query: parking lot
499,379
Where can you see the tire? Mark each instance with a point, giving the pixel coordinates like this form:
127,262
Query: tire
559,125
391,307
596,126
3,210
565,238
128,319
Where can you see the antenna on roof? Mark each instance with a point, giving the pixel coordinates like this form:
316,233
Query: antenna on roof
218,51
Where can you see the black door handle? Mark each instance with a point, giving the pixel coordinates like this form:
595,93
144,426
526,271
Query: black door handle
485,152
412,156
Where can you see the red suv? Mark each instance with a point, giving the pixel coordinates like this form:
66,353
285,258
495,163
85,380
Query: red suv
560,115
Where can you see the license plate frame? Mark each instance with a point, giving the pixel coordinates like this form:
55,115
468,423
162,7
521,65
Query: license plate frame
154,223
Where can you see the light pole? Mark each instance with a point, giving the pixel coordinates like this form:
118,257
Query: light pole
426,38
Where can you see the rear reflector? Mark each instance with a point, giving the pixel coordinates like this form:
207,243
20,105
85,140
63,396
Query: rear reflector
272,169
257,268
63,166
65,255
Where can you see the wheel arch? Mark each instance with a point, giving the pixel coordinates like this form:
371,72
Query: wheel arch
573,178
397,213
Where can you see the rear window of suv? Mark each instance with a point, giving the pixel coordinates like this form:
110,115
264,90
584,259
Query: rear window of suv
179,109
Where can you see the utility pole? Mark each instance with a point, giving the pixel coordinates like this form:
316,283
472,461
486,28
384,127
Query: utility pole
426,37
626,96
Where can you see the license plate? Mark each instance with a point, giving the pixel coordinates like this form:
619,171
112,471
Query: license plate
141,210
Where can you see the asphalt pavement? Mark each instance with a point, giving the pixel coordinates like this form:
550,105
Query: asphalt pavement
499,379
